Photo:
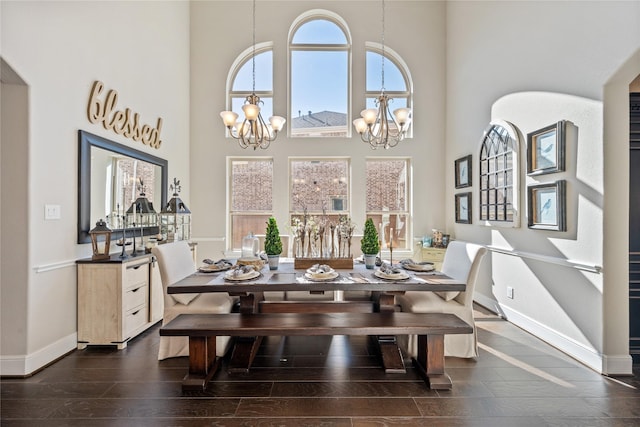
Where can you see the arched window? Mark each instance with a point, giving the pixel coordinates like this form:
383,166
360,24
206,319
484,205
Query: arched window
499,175
320,69
240,80
398,84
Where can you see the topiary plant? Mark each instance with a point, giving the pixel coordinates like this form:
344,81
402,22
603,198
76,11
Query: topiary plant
369,243
272,241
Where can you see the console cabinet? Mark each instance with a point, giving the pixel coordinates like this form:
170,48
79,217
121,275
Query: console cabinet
117,299
434,255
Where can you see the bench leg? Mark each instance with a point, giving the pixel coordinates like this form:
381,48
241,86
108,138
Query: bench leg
391,356
430,362
203,363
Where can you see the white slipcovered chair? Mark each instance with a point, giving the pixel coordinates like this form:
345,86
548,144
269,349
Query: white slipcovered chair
461,262
175,261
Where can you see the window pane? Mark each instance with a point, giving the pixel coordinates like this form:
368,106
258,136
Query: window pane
393,79
386,185
242,225
264,74
319,82
319,31
319,186
251,185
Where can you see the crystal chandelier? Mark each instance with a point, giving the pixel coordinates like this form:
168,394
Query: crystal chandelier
374,126
253,131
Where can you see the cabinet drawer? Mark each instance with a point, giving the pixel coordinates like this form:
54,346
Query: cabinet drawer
136,275
433,254
135,319
135,297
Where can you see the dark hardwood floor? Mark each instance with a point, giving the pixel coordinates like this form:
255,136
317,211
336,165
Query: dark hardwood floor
322,381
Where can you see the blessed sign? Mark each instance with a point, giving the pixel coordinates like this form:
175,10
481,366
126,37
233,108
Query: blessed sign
123,122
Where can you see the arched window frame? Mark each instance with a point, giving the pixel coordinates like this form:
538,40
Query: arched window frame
311,15
235,68
487,184
393,57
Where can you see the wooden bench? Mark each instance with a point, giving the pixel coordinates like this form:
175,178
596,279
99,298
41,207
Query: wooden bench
203,328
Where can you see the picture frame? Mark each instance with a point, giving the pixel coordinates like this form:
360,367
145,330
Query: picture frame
463,208
547,206
546,149
463,172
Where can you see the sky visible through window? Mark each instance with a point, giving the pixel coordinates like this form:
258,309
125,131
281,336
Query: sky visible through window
323,86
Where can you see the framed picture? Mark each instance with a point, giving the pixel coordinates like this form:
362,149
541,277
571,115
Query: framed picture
463,208
547,206
545,149
463,172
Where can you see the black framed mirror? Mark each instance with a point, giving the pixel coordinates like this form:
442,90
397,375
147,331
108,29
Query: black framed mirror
109,176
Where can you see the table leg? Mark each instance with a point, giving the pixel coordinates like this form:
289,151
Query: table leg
430,362
203,363
245,348
389,351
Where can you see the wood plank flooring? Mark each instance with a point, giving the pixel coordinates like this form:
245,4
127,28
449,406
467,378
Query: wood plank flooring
324,381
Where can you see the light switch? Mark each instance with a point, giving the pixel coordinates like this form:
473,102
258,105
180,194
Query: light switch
51,211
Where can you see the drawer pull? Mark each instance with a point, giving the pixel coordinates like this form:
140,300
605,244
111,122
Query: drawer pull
135,312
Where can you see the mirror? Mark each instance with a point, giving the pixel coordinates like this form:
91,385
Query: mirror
110,178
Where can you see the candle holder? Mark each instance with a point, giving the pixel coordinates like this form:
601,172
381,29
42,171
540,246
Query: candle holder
133,236
123,254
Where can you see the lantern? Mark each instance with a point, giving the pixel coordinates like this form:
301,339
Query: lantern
175,218
141,213
100,240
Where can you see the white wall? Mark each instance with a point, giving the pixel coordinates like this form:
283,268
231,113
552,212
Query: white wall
140,49
496,49
415,30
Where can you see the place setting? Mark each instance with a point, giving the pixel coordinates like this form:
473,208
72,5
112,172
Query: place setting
390,272
211,266
321,273
242,273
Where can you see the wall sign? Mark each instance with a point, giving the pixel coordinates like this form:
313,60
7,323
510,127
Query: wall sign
123,122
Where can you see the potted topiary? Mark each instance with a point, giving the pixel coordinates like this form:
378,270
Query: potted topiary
273,244
370,244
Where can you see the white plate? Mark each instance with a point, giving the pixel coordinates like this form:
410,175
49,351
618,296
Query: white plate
213,268
395,276
427,266
322,277
247,276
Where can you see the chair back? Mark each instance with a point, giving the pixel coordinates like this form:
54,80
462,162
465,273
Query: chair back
175,261
462,262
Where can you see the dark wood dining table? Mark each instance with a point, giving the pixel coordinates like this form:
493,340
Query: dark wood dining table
287,279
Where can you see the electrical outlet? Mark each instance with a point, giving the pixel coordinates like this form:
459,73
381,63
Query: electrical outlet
51,211
509,292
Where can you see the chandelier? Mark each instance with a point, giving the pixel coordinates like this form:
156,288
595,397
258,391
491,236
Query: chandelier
253,131
374,126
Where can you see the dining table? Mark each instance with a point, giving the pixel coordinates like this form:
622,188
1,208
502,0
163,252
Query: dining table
380,292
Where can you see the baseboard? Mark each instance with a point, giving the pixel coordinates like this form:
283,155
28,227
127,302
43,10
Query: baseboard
488,303
25,365
603,364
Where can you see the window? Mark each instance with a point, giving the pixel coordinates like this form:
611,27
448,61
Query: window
388,200
240,80
251,190
499,175
320,67
397,79
319,188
